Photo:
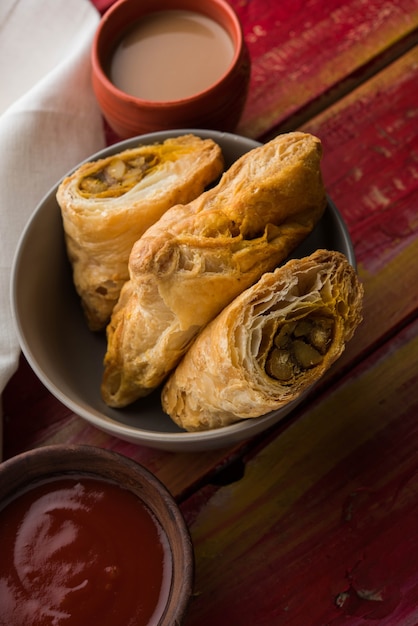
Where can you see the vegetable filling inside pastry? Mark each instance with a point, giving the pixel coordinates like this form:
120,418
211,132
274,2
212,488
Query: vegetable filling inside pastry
117,176
298,346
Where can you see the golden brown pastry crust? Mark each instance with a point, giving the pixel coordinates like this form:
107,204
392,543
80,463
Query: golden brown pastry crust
227,376
189,265
108,204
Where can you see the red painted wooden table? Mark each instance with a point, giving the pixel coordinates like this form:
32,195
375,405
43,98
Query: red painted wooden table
315,522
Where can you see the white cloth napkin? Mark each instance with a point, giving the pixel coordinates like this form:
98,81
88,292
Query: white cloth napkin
49,122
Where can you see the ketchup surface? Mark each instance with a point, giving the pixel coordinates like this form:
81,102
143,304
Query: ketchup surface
78,551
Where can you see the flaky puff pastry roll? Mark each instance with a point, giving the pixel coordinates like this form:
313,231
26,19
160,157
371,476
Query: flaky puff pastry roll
108,204
189,265
269,345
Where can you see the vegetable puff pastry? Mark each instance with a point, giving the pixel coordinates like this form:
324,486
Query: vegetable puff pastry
269,345
106,205
191,263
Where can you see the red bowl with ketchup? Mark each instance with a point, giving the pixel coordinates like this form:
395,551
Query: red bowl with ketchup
167,64
89,536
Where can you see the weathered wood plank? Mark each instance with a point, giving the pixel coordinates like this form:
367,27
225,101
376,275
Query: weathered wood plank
370,162
305,56
370,168
322,529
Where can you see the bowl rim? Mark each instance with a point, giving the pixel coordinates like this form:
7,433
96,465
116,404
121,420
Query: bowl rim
182,440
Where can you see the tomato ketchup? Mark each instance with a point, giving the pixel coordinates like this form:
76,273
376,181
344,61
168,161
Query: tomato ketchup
80,550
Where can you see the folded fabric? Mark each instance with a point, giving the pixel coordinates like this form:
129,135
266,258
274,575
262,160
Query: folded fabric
49,122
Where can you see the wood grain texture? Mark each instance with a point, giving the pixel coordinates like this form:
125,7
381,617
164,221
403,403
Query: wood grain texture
371,156
370,168
305,55
328,534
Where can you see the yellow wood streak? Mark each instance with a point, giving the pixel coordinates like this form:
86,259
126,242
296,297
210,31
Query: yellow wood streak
294,73
384,82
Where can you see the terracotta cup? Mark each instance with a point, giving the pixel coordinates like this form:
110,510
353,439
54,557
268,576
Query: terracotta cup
219,107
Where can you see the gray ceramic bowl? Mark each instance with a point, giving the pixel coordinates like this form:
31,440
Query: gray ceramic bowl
40,465
68,358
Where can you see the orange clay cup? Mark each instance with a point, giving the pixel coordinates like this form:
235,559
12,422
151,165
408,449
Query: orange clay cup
218,107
